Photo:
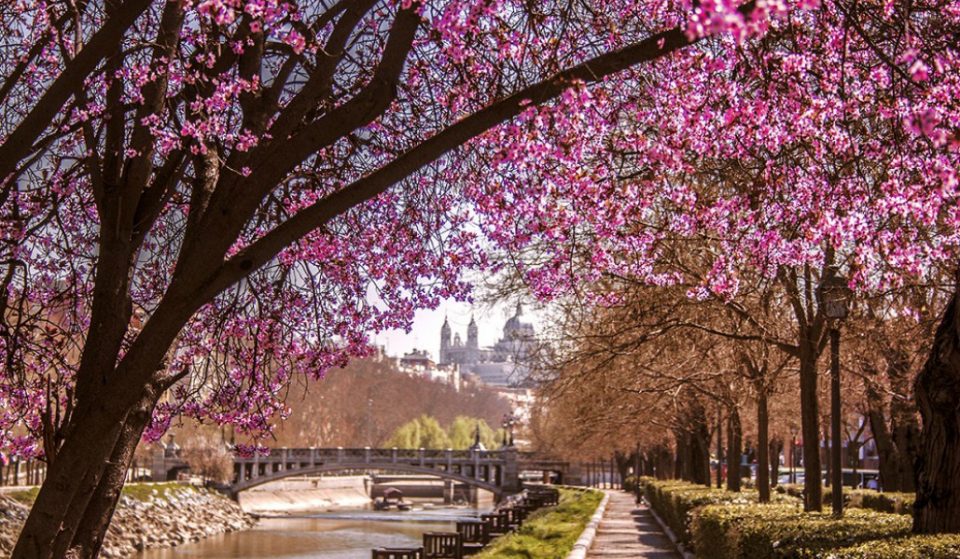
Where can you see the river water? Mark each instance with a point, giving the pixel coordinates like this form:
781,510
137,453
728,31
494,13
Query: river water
330,535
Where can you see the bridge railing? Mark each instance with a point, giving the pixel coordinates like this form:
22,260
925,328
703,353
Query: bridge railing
379,455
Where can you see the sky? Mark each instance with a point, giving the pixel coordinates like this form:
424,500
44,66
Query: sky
426,326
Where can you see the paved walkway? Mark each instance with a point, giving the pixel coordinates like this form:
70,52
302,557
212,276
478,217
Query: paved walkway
629,530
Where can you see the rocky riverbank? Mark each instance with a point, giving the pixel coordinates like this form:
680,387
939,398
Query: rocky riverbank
148,516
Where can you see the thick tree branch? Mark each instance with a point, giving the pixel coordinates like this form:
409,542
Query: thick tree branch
367,188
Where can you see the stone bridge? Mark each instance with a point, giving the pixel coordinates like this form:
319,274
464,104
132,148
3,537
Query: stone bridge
498,471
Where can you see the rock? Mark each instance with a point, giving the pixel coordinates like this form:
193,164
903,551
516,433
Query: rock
167,518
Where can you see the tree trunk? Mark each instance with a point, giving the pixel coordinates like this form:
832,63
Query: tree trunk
719,449
702,457
937,390
776,447
763,447
699,445
71,482
810,427
680,462
88,539
827,442
907,440
886,450
734,449
663,462
624,462
87,469
905,431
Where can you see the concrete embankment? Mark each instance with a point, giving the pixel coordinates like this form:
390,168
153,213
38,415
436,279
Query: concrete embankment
148,516
311,494
306,494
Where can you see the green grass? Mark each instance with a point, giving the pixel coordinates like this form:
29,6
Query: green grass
145,491
138,491
548,533
25,496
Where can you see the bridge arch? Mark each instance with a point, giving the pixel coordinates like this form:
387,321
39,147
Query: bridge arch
366,466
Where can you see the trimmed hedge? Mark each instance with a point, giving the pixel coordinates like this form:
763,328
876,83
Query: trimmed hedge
675,500
899,503
945,546
796,490
784,531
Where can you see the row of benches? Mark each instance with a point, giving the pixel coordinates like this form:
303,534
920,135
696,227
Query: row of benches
472,535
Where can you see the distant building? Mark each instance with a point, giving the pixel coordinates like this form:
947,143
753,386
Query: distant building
418,363
504,364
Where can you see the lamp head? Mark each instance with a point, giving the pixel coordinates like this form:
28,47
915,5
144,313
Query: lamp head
833,295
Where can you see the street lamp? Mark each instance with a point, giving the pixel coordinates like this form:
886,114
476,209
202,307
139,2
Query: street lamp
509,420
833,297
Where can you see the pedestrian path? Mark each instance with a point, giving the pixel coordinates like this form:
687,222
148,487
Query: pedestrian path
629,530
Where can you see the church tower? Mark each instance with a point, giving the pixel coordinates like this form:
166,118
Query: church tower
472,338
444,340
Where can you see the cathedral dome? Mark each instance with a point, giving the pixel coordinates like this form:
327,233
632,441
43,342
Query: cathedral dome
515,326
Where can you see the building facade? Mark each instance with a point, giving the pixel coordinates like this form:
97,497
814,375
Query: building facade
418,363
503,364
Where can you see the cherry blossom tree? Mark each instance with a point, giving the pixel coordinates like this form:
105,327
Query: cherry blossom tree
201,199
830,138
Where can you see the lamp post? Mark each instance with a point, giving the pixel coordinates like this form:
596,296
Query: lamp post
509,420
833,297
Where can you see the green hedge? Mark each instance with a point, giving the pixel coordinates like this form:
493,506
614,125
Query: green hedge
781,531
675,500
796,490
899,503
913,547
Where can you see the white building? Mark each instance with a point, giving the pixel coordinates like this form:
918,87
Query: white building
418,363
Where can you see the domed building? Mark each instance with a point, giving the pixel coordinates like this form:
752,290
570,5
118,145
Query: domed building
500,365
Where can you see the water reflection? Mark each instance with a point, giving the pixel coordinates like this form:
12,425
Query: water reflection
341,535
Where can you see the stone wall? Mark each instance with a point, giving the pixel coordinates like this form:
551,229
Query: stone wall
293,495
165,516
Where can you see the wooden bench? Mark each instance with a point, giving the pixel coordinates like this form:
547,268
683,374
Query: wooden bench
546,496
473,536
496,524
515,516
442,545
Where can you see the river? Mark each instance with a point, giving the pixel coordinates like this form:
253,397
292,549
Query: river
330,535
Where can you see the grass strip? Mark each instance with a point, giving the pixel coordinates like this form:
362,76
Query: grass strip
550,532
138,491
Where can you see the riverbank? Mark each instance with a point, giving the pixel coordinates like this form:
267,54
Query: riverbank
149,516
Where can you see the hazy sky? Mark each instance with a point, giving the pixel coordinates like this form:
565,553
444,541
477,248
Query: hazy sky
426,326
